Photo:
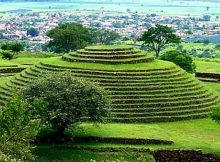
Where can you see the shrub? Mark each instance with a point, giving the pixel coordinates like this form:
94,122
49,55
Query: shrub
7,55
216,114
17,129
181,59
13,46
69,99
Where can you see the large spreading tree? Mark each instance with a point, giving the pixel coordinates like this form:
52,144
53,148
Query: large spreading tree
67,100
69,37
157,37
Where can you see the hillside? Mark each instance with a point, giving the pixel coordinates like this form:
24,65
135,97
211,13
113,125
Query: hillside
142,89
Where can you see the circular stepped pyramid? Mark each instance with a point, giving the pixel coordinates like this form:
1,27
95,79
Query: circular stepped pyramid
109,55
142,89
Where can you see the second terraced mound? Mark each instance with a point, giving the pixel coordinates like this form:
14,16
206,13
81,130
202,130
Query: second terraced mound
142,89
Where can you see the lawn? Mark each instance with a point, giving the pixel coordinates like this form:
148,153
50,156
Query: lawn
210,66
213,86
192,134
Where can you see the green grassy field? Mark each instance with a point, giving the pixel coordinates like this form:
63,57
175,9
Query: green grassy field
193,134
213,86
207,66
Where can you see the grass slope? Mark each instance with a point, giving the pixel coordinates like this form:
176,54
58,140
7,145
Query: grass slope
208,65
192,134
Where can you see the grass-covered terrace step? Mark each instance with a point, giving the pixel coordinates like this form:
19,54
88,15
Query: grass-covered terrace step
108,72
112,73
165,104
127,69
28,74
161,113
26,79
155,92
144,59
87,52
109,48
35,71
124,81
161,109
138,55
161,118
156,83
136,94
151,88
168,99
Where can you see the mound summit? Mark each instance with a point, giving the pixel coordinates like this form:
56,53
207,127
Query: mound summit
142,88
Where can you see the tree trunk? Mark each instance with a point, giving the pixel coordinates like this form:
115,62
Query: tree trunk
59,131
157,53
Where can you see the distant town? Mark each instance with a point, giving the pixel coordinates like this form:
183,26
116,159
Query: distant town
33,27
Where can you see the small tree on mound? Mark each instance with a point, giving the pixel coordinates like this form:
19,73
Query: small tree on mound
157,37
183,60
67,100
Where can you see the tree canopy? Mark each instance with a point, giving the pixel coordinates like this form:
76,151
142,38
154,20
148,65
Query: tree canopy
13,46
101,36
157,37
18,127
67,100
181,59
69,37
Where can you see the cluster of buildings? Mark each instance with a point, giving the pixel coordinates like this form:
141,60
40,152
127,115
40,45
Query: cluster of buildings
129,25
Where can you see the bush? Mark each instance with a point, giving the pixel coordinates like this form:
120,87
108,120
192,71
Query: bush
7,55
67,100
181,59
13,46
17,129
216,115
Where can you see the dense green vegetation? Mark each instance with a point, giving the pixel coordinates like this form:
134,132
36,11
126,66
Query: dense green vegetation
134,78
18,126
72,36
